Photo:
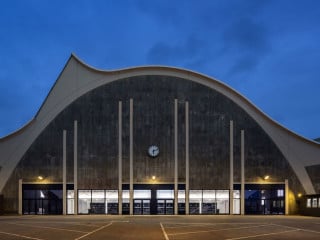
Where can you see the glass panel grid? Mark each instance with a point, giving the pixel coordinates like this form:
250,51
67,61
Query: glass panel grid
142,194
309,203
314,202
181,196
165,194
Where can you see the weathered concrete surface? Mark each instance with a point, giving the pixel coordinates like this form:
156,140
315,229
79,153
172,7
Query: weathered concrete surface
153,99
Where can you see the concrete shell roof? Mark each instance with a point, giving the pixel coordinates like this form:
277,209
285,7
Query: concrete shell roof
78,78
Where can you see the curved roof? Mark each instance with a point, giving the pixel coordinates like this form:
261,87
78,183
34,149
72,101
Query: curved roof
78,78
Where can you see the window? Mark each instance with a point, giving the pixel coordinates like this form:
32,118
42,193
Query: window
181,196
84,200
125,196
70,202
280,193
236,201
111,201
314,202
165,194
309,203
222,198
142,194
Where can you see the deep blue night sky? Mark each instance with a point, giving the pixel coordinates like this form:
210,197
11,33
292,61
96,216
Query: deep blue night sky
269,51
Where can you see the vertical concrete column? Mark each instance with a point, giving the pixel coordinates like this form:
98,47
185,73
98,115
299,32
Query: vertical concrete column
75,166
131,156
64,173
187,160
231,167
286,196
242,174
120,158
20,197
176,156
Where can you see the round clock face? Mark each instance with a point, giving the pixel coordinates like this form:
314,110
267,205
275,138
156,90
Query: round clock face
153,151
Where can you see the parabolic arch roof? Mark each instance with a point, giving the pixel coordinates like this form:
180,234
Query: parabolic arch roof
78,78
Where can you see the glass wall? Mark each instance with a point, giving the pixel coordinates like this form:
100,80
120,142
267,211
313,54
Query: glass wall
111,201
70,202
181,202
236,201
98,205
165,201
222,199
42,199
209,201
264,201
98,201
141,200
125,202
195,201
84,200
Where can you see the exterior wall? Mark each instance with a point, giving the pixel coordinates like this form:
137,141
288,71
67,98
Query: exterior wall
313,172
153,124
309,210
1,204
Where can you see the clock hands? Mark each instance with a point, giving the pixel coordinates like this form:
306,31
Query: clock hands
153,151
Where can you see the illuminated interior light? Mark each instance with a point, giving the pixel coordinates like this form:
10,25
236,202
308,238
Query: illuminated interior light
266,177
42,194
153,177
40,178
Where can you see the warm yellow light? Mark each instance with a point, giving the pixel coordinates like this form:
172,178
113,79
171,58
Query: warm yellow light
266,177
299,195
153,177
40,177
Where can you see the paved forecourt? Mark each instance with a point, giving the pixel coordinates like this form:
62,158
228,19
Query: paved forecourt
158,227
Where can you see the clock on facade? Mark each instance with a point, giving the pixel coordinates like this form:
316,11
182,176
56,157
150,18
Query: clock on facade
153,151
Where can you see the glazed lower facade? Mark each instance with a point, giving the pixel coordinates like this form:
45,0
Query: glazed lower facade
151,199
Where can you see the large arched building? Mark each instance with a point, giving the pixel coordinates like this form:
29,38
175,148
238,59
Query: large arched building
153,140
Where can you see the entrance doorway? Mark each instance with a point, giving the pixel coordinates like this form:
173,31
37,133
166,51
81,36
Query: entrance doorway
42,199
265,199
156,199
165,206
141,206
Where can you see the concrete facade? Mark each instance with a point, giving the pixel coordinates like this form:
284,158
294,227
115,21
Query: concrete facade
153,112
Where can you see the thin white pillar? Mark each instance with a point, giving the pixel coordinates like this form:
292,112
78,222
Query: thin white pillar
75,166
131,156
176,156
286,196
231,167
64,173
20,197
242,174
187,160
120,158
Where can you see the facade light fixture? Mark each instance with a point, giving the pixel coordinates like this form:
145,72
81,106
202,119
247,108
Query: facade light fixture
299,195
266,177
153,177
40,178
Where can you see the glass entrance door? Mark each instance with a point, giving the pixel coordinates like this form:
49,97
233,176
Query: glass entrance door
165,200
141,206
165,206
141,201
154,199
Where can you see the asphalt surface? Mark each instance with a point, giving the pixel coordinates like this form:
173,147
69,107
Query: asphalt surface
158,227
